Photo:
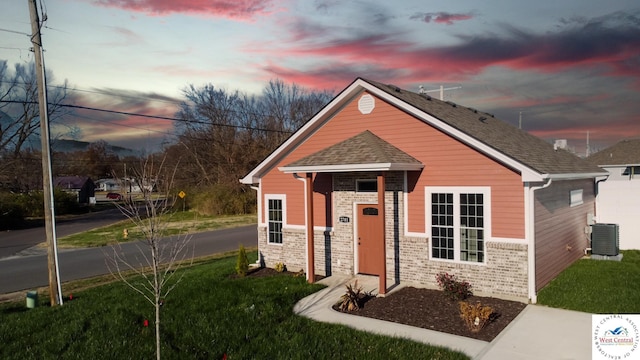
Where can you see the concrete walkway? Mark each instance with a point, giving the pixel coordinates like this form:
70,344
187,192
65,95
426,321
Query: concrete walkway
538,332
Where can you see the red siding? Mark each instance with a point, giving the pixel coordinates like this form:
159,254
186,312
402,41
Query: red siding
447,163
559,229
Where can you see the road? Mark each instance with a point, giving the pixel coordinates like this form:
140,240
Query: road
29,272
12,242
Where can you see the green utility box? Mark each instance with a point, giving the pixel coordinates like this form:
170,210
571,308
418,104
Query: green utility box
32,299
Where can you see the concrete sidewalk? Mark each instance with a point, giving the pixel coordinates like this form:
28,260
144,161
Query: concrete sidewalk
536,333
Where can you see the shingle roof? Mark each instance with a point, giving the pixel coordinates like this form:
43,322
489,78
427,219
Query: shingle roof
497,134
364,148
626,152
70,182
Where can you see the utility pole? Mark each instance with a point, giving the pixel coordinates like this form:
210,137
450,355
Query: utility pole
588,150
520,121
55,292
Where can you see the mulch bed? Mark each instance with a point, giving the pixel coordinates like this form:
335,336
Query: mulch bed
431,309
427,309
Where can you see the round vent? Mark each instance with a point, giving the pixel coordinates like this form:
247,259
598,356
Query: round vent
366,104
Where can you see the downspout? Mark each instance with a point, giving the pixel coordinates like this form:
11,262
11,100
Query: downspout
531,235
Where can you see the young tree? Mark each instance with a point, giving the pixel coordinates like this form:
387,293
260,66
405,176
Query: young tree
159,256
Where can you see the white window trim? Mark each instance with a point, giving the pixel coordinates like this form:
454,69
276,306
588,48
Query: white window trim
456,191
576,197
282,197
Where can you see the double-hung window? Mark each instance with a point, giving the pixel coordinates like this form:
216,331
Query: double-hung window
458,222
275,219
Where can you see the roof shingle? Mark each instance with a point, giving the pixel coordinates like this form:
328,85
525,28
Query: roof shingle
497,134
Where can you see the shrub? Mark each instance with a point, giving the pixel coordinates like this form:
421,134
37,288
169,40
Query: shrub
242,263
452,287
281,267
475,316
354,298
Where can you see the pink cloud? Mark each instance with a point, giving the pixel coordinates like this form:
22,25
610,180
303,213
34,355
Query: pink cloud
234,9
441,17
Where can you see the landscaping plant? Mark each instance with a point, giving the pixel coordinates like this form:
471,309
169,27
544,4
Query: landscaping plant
242,262
452,287
353,298
281,267
475,316
160,256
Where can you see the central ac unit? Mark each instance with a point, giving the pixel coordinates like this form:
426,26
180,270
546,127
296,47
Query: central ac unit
605,239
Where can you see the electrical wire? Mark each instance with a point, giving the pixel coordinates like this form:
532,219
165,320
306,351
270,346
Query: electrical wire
151,116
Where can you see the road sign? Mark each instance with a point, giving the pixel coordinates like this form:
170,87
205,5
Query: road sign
182,194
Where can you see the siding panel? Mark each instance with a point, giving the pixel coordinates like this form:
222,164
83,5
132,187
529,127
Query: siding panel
559,228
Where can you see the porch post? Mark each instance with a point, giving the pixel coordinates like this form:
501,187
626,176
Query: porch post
382,287
310,243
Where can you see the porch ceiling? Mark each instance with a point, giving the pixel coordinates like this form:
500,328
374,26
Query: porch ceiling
363,152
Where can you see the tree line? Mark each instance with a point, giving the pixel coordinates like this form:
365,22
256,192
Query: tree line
220,136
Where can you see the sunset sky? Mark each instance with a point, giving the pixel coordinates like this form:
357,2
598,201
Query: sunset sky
570,67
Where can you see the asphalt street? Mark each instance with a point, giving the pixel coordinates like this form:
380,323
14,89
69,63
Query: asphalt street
13,242
28,269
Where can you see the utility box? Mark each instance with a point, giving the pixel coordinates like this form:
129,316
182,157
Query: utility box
605,239
32,299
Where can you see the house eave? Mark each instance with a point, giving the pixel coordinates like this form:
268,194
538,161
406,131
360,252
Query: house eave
351,168
574,176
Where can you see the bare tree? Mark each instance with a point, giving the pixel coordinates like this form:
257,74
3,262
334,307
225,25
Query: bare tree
159,257
20,118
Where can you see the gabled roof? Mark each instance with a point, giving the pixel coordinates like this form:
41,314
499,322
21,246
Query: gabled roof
626,152
70,182
532,157
363,152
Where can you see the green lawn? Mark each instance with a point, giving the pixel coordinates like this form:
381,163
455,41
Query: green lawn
179,223
599,287
208,315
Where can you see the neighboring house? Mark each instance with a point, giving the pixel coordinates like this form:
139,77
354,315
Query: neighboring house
617,200
107,185
387,181
82,186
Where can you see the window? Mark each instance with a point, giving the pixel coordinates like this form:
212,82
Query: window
458,223
472,227
367,185
632,172
275,221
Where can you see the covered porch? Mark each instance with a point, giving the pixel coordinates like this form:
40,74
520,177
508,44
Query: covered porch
365,154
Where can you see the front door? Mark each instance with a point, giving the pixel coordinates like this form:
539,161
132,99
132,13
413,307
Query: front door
369,239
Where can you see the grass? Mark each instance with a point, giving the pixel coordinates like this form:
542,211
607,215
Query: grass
599,287
179,223
207,316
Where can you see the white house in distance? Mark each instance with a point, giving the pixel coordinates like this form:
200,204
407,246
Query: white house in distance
617,200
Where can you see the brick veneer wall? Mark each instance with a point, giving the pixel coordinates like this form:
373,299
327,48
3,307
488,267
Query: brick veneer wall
503,275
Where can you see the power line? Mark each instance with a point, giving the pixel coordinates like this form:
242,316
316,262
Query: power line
152,116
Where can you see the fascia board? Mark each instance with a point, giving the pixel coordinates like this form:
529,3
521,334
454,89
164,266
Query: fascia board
352,168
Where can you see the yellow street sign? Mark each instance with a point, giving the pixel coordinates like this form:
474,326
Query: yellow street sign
182,194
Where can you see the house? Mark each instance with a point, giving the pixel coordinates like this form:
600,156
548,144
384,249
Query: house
82,186
617,196
107,185
392,183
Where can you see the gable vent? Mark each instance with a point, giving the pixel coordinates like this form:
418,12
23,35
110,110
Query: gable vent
366,104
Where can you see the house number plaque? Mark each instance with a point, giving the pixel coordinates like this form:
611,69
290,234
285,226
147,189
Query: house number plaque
344,219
